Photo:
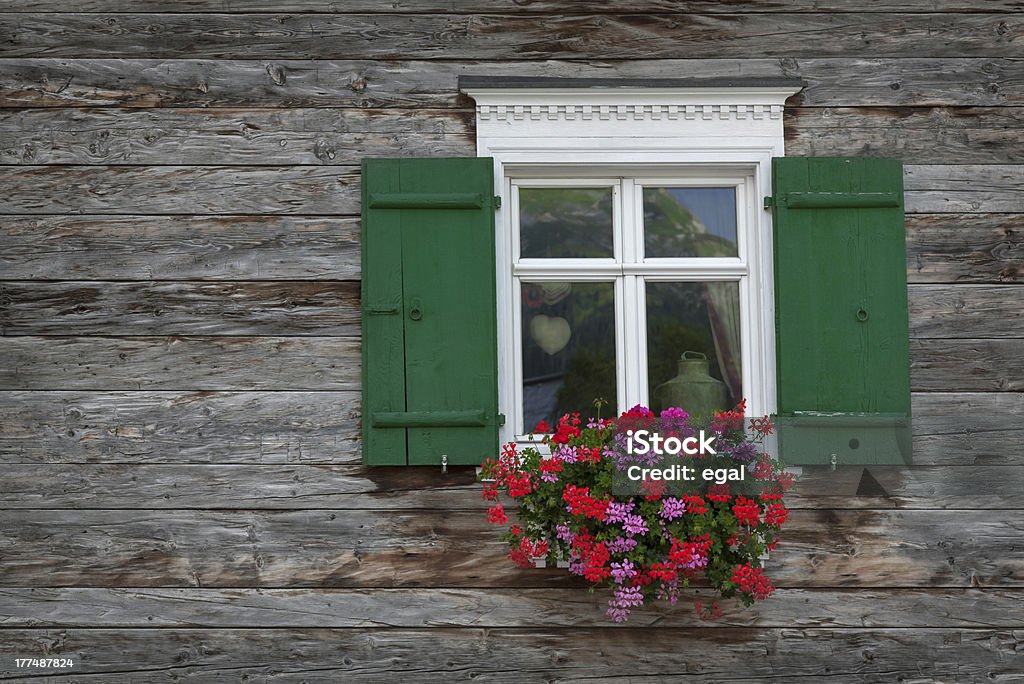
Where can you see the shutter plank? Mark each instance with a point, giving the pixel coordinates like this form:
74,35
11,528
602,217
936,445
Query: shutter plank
450,323
383,375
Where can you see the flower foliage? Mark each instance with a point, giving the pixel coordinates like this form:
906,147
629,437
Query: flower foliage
648,545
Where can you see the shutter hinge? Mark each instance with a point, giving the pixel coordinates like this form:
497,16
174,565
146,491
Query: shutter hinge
501,419
769,202
497,201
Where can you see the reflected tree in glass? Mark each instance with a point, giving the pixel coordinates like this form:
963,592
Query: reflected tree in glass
689,222
565,222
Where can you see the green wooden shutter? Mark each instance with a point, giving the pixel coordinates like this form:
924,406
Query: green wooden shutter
841,310
429,318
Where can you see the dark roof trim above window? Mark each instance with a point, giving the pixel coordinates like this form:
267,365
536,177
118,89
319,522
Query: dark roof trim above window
512,82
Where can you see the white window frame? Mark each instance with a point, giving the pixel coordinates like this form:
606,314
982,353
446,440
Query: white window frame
668,133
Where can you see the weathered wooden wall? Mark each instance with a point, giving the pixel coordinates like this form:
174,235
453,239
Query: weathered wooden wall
181,496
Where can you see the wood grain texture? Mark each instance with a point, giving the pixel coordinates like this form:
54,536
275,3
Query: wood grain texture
257,487
858,81
203,136
308,136
966,311
840,656
325,308
347,487
541,7
495,608
497,37
967,365
932,135
965,248
63,247
179,363
164,427
327,190
967,428
334,190
965,188
442,548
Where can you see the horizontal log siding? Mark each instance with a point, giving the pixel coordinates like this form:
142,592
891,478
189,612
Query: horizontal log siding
179,332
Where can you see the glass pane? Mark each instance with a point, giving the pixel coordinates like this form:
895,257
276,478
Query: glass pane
565,222
568,350
693,346
690,222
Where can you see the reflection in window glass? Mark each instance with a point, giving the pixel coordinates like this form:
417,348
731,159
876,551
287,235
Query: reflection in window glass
565,222
568,349
690,222
698,320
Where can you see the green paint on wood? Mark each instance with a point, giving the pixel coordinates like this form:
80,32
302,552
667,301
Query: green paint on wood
402,419
425,200
841,310
429,316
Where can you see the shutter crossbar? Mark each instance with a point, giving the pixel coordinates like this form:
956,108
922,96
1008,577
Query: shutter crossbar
403,419
841,200
427,200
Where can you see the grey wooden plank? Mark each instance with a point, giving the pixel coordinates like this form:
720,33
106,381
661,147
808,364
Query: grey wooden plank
326,190
333,190
128,486
908,487
62,246
964,248
928,135
511,6
165,427
230,136
495,608
179,363
970,365
437,35
842,656
237,308
306,136
252,487
967,428
856,81
966,311
965,188
442,548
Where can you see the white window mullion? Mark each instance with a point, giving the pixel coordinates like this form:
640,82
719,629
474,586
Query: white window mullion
633,360
638,360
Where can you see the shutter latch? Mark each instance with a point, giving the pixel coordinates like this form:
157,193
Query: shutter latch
444,464
833,461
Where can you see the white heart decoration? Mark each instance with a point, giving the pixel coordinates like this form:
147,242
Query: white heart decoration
550,333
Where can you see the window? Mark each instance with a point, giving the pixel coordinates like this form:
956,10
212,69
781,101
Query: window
631,231
617,277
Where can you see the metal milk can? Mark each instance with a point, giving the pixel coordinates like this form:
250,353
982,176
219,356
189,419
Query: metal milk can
693,389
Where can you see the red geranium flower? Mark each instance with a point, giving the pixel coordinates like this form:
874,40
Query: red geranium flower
496,515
